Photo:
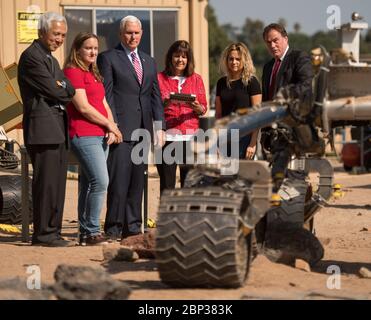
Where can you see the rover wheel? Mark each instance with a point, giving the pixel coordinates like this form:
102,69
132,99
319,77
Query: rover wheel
11,199
200,242
287,245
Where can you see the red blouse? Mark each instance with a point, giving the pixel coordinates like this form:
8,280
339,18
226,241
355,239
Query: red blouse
179,115
78,124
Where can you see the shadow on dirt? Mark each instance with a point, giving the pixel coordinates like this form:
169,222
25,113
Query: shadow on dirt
345,267
114,267
147,284
349,206
367,186
14,240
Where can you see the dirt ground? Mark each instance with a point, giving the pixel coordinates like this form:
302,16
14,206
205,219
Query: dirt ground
344,228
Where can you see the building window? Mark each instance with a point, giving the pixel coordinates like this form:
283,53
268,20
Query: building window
159,26
163,35
78,21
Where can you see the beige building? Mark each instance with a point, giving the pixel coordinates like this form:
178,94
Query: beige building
164,21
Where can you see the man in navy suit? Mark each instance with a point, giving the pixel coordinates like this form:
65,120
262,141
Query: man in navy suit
130,81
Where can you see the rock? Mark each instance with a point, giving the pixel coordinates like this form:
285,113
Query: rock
363,229
119,253
324,241
142,244
16,289
110,251
359,214
126,254
302,265
86,283
365,273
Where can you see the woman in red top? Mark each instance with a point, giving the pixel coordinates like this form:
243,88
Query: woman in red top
182,118
92,130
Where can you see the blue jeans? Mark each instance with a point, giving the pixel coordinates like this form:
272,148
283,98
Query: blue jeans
92,154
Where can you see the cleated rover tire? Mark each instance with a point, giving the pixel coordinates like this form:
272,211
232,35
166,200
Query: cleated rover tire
11,199
199,241
287,245
287,237
291,211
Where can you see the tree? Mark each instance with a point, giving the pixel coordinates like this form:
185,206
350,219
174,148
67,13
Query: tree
297,27
251,32
368,36
366,44
300,41
218,40
326,39
252,35
282,22
231,31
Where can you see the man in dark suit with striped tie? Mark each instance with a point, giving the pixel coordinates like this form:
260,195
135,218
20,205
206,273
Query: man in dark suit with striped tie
130,81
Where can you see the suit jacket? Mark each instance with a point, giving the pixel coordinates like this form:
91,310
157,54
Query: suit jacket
296,69
38,73
133,105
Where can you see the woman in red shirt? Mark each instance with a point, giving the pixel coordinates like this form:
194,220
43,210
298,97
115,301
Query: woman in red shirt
92,130
182,118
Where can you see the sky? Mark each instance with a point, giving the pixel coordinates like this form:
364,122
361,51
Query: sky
311,14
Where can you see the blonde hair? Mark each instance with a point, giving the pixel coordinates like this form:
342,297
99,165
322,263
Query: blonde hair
74,60
248,70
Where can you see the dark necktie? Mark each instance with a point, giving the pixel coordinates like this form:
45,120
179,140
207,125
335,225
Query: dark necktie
137,66
272,84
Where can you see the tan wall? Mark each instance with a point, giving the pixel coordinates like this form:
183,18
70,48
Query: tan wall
10,49
199,38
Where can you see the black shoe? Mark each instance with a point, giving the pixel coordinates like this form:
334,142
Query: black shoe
53,243
96,240
82,240
110,238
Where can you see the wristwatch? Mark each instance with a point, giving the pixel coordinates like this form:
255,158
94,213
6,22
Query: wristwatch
62,84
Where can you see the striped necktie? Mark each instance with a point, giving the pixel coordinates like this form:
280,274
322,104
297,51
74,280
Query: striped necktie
137,66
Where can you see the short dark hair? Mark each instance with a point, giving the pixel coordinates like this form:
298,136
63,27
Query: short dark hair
180,46
277,27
